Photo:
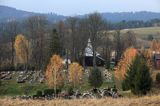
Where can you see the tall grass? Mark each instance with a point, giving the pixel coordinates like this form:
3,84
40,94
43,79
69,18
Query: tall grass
139,101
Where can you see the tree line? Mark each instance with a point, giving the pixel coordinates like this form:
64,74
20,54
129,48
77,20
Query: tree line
68,38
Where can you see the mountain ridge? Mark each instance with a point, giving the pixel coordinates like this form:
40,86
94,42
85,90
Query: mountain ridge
13,13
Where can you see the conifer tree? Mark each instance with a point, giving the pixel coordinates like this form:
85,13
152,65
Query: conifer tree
95,78
55,43
138,77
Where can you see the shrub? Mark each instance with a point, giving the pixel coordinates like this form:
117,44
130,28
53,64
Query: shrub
158,78
70,90
48,91
39,93
95,78
51,91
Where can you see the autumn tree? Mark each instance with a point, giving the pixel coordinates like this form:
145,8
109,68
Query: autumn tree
125,62
22,49
75,74
54,72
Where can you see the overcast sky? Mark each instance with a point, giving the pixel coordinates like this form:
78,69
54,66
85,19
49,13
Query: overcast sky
77,7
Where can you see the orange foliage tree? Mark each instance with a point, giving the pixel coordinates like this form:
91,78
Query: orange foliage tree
54,72
148,55
22,49
123,65
75,74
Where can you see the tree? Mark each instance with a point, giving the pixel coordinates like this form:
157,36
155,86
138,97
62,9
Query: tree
61,30
22,49
107,48
36,28
54,72
138,77
83,36
118,45
130,39
125,62
95,78
72,23
55,43
75,74
95,25
12,30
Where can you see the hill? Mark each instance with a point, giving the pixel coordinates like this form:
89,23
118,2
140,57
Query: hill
144,32
10,13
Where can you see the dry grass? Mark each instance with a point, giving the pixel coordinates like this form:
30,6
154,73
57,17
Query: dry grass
142,101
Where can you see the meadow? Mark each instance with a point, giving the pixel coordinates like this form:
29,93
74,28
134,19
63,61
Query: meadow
136,101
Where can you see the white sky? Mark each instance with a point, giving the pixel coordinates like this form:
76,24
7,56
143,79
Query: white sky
77,7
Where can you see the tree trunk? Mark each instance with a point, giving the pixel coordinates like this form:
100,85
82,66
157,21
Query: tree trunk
12,58
55,83
94,57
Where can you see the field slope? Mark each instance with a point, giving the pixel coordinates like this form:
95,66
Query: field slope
144,32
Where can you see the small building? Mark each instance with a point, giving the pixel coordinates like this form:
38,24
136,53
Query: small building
89,56
156,58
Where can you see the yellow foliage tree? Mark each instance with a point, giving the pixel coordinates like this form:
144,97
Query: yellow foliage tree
75,74
124,63
54,72
22,49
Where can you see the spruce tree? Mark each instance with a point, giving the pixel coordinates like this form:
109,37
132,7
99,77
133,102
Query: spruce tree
143,80
55,43
95,78
138,77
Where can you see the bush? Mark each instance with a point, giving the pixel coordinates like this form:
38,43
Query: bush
51,91
125,85
158,78
150,37
70,90
95,78
39,93
48,91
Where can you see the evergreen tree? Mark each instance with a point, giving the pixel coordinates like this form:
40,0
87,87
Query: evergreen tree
143,80
55,46
95,78
129,77
138,77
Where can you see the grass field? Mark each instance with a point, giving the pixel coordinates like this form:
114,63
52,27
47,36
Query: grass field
144,32
136,101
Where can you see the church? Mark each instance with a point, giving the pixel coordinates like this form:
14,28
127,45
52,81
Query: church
89,56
